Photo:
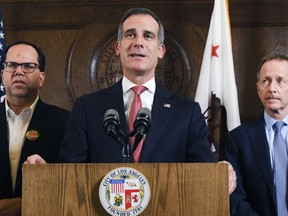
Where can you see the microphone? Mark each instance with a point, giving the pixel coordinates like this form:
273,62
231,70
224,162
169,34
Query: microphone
141,125
111,123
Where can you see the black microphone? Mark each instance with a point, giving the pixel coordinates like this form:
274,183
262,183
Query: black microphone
111,123
141,125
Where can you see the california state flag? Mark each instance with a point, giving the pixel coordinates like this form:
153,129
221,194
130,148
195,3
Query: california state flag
217,69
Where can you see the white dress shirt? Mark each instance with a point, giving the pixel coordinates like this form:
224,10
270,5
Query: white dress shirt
147,96
17,127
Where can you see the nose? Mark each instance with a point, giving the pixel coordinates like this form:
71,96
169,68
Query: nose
273,86
138,41
19,70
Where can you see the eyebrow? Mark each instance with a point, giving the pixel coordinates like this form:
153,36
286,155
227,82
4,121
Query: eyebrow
129,30
150,32
133,30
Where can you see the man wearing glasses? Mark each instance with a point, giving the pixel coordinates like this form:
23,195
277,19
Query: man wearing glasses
27,125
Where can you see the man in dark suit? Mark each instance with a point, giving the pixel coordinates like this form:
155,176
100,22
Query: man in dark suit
178,130
177,134
249,148
28,125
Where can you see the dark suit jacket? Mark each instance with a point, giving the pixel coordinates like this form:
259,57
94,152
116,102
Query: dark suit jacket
178,130
246,148
50,122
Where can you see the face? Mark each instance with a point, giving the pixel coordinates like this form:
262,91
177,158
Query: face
272,87
139,49
20,85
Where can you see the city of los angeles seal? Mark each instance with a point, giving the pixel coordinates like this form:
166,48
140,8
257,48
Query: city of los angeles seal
124,191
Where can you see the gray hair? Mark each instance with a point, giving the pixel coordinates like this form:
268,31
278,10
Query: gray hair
278,54
135,11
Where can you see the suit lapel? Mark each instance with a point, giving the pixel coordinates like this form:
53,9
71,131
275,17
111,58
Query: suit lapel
3,132
113,99
5,173
162,108
261,152
37,122
38,119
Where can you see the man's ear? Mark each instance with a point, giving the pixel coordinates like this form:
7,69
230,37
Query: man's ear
117,48
162,50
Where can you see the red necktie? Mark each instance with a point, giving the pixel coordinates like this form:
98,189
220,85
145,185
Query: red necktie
135,106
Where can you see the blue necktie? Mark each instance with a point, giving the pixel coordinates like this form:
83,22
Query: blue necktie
280,169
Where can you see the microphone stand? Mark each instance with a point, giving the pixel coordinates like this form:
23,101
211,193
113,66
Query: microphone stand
125,153
123,139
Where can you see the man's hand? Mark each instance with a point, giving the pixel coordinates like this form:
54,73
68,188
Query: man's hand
232,178
35,159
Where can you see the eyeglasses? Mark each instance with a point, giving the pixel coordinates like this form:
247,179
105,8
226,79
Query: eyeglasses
27,67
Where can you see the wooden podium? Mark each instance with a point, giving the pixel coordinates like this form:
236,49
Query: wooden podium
190,189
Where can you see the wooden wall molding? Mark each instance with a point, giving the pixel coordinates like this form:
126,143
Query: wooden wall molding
60,28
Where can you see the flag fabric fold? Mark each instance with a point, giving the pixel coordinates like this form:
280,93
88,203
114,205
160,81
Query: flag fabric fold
2,48
217,69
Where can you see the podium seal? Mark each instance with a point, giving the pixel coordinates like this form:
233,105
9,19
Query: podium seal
124,191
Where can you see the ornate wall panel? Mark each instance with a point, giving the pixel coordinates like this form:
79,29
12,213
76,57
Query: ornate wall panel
78,36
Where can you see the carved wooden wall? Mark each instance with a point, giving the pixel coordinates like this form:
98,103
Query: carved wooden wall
77,38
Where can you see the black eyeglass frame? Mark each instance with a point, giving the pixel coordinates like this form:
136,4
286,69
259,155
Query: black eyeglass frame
28,65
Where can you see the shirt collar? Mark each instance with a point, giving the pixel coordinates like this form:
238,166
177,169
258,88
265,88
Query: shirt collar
127,85
269,121
10,112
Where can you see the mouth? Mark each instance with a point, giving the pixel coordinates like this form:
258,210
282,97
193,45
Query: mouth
18,82
136,55
272,99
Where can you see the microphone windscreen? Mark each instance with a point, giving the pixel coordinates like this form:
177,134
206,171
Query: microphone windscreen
142,121
144,112
111,113
111,121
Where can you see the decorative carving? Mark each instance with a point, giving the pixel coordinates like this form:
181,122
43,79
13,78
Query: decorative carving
93,65
173,71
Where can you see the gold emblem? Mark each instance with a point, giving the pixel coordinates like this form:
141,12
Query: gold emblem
32,135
